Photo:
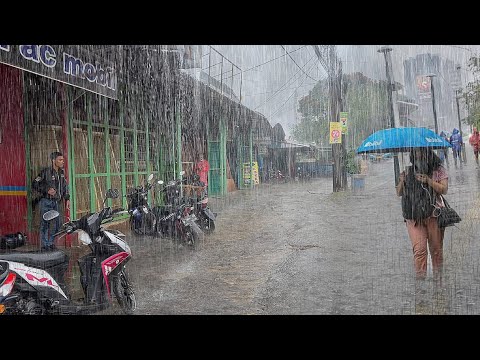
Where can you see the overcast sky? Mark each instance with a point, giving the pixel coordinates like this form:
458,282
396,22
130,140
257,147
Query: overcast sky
274,88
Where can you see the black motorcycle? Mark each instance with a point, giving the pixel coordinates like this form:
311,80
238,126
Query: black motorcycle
176,217
142,219
199,199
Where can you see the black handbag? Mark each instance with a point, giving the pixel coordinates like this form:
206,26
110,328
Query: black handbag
447,216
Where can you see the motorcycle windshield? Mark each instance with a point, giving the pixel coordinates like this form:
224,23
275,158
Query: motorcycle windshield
93,222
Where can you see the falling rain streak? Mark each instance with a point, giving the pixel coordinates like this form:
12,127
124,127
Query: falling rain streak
289,217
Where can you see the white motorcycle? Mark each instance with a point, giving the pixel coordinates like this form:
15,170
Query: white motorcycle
33,282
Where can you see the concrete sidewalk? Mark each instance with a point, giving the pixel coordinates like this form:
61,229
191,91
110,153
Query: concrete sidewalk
382,209
302,249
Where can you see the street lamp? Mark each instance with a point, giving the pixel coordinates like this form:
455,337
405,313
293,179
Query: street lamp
385,50
457,93
431,76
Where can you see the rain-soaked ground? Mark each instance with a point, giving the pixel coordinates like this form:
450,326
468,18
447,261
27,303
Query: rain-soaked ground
300,249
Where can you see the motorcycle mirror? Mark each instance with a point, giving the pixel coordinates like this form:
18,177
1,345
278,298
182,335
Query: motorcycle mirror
160,182
112,194
150,177
51,214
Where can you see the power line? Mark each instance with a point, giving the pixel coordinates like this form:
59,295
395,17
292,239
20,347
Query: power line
270,92
254,67
276,111
290,56
219,63
321,57
280,89
460,47
219,53
301,47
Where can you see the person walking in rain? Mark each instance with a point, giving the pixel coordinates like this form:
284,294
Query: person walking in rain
201,169
457,143
475,142
53,187
444,152
420,185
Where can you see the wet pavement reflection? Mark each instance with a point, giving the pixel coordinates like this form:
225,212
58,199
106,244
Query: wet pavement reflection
298,248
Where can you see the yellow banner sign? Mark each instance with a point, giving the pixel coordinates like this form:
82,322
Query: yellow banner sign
343,120
246,173
335,133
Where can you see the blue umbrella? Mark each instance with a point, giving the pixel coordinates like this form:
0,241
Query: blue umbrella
402,139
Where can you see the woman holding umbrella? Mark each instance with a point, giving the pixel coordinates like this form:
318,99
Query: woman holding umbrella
420,186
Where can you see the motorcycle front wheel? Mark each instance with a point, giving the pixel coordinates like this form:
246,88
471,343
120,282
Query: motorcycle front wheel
194,235
145,226
207,225
124,293
149,224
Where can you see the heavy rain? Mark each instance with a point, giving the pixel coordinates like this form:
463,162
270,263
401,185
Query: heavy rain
239,179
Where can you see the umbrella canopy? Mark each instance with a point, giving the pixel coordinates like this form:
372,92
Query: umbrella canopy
402,139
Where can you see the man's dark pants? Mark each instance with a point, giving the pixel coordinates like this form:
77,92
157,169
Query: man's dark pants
46,236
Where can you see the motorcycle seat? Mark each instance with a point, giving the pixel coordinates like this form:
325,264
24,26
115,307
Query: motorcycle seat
41,260
162,209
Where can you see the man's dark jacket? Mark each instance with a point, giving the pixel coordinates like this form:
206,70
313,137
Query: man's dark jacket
49,178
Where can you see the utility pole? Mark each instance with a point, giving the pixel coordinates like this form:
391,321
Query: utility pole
464,155
431,76
328,58
457,93
343,158
386,52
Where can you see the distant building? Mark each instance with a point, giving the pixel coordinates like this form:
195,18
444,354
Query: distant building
417,86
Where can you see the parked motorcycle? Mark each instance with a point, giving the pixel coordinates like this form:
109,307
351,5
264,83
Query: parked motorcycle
205,217
142,219
186,228
33,282
277,176
176,218
302,174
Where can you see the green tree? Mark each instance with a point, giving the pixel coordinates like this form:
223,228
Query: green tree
472,94
364,99
352,164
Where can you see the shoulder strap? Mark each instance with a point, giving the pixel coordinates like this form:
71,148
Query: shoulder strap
427,190
445,202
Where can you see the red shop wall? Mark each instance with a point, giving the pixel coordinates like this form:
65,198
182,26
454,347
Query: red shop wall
13,200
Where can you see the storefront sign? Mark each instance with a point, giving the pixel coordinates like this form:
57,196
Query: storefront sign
423,87
66,63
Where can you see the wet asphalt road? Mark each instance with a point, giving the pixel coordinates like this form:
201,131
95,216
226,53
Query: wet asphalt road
298,248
